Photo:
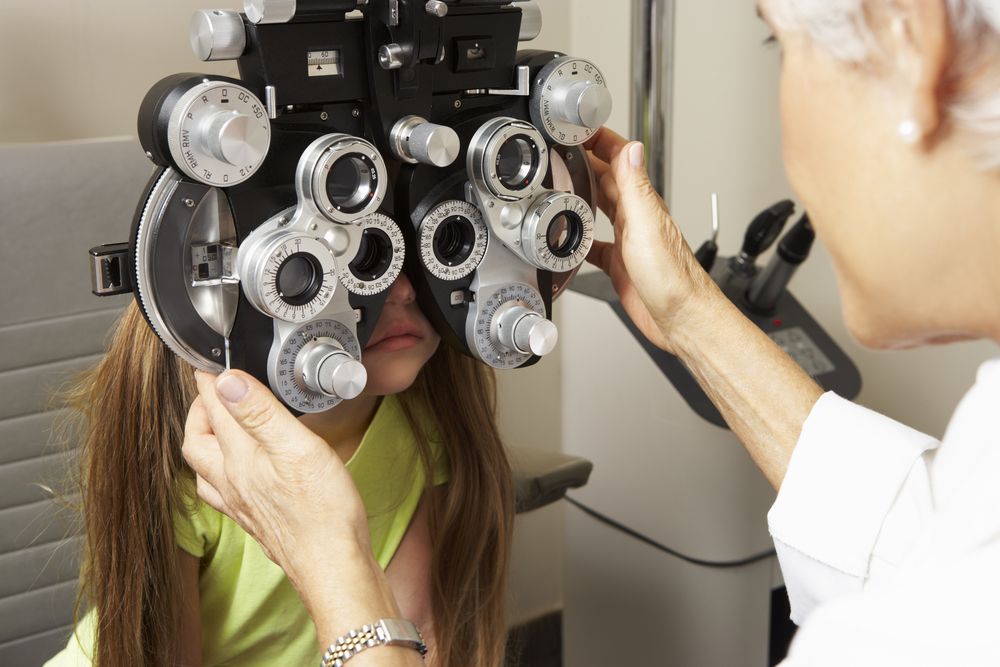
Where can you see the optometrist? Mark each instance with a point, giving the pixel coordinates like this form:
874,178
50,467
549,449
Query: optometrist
889,540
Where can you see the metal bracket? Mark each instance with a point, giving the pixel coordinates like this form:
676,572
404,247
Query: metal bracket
523,84
109,270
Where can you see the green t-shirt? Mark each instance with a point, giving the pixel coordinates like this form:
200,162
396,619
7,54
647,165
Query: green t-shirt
250,613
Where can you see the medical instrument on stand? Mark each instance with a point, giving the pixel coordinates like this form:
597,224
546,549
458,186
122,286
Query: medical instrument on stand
361,139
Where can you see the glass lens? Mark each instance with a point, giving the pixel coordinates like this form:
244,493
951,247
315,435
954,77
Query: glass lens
299,279
565,234
350,183
454,240
517,162
374,256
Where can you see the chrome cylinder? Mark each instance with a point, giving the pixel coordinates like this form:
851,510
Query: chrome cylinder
652,21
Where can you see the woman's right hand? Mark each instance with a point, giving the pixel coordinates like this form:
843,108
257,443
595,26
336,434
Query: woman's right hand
661,285
287,488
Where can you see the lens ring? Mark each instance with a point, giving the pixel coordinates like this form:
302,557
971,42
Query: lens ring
299,279
453,239
351,182
287,275
509,158
565,234
379,258
517,162
343,177
558,232
374,255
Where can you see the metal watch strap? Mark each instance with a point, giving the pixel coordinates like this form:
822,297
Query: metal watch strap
385,632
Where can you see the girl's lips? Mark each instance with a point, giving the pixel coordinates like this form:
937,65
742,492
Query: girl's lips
395,343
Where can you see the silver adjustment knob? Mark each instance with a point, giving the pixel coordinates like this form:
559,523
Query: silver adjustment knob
328,369
585,104
436,8
218,34
531,20
390,56
414,139
227,136
269,11
570,100
527,332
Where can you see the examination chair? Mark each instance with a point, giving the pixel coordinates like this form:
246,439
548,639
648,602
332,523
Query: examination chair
56,201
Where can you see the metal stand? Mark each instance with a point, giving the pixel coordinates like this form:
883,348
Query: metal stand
652,85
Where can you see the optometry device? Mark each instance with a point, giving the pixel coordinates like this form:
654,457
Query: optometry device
360,140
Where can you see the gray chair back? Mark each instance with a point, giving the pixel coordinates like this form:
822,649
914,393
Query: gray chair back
56,201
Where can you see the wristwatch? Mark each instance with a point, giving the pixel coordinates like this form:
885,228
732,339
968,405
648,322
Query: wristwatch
384,632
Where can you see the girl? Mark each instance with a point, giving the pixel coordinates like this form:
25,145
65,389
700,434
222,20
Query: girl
170,581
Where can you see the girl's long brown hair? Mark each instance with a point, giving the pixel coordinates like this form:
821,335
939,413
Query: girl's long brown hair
130,411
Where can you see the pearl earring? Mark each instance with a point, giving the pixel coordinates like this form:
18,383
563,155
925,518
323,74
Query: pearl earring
910,131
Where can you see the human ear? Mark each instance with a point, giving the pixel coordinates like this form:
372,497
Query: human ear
920,35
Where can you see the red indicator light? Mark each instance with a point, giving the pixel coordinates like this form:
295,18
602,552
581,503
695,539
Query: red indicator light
777,323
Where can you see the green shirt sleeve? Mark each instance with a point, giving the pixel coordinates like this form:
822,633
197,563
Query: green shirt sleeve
197,527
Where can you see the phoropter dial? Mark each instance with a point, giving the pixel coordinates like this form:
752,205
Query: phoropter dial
379,259
287,275
317,366
570,100
511,327
558,232
218,133
453,240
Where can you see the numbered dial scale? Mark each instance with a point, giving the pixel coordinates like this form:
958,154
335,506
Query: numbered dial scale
453,240
380,257
286,368
216,132
486,333
286,275
570,100
558,232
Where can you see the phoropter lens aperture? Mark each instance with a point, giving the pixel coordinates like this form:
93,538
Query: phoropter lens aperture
352,182
299,279
454,240
517,162
375,255
565,234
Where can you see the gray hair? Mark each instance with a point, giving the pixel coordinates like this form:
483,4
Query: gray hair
841,28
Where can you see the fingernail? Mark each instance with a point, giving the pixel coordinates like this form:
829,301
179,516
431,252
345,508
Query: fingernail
231,387
636,155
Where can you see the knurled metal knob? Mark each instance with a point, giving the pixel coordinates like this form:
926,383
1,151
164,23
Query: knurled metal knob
269,11
218,34
527,332
414,139
436,8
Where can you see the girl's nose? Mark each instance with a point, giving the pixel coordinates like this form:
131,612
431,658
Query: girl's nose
401,293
